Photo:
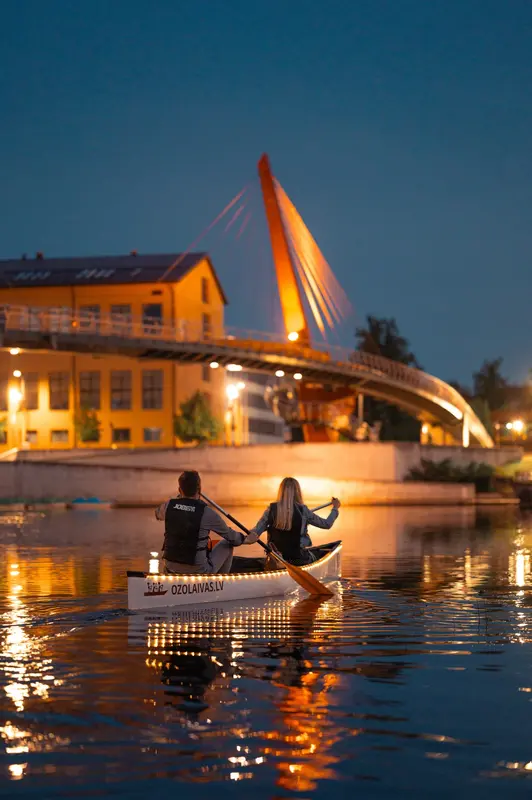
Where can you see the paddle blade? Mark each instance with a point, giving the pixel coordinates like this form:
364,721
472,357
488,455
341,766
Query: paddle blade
308,582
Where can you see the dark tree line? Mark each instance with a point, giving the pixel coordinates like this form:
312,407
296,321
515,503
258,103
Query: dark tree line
381,336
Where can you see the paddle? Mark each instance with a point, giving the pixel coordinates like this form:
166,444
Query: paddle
319,508
304,579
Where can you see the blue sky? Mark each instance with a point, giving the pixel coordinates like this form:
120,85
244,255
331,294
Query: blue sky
401,130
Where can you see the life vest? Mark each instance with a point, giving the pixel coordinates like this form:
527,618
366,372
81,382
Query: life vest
288,542
182,525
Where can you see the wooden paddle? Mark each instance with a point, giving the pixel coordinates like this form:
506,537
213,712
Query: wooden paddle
308,582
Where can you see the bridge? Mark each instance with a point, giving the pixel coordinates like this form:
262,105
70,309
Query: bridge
71,330
306,283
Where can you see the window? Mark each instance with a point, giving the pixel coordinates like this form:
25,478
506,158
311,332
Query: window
31,391
206,373
121,389
206,326
59,437
266,427
205,290
152,388
256,401
89,390
58,384
153,434
121,435
121,319
152,317
89,318
31,437
3,394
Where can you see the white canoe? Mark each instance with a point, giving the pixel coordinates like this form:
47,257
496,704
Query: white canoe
145,590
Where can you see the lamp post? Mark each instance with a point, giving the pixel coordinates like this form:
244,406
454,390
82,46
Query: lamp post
16,396
232,391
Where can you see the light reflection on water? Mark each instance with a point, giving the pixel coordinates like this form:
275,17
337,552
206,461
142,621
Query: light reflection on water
413,680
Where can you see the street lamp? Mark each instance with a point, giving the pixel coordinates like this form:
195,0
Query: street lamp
15,397
293,336
232,391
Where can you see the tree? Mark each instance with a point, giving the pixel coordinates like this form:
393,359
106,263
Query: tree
87,425
196,422
489,384
381,337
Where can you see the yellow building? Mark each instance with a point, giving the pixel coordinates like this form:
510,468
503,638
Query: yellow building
135,400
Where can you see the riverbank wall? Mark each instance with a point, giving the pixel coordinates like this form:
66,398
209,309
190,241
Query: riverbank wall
359,473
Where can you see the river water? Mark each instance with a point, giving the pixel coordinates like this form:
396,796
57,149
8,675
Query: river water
415,681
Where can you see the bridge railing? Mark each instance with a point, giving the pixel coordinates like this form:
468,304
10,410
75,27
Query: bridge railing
49,320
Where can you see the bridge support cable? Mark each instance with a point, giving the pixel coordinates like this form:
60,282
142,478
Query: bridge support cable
209,227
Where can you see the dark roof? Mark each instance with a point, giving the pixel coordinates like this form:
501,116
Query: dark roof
103,270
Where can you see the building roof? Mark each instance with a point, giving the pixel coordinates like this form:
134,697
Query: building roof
103,270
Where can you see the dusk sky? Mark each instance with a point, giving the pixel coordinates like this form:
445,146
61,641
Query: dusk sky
401,130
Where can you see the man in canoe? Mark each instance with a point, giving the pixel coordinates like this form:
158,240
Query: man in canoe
287,523
188,522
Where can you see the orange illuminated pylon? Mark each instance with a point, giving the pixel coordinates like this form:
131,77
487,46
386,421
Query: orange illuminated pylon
289,292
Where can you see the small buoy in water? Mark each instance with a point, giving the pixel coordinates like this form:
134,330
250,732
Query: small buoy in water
154,564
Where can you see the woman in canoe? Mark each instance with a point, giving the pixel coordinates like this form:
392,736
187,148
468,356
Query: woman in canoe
287,521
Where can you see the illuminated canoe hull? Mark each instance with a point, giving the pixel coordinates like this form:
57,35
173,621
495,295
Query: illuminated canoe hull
146,591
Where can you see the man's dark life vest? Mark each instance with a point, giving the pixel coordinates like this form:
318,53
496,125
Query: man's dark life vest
288,543
182,524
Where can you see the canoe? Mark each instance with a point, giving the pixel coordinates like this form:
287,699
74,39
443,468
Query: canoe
147,591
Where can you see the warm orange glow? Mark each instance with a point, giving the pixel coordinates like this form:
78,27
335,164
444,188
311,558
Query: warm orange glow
234,368
298,376
289,290
293,337
325,296
15,351
279,373
214,365
17,373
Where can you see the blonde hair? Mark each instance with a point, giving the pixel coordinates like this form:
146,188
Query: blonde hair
289,494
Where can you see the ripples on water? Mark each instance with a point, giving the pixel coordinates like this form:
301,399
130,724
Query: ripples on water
415,680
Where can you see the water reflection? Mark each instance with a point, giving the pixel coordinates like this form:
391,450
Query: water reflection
398,682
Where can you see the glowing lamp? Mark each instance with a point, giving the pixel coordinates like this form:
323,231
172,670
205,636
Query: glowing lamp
15,351
509,426
231,391
298,376
293,337
17,373
214,365
279,373
518,426
15,396
234,368
241,386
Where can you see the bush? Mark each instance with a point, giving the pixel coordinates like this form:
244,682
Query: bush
196,423
447,472
87,425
